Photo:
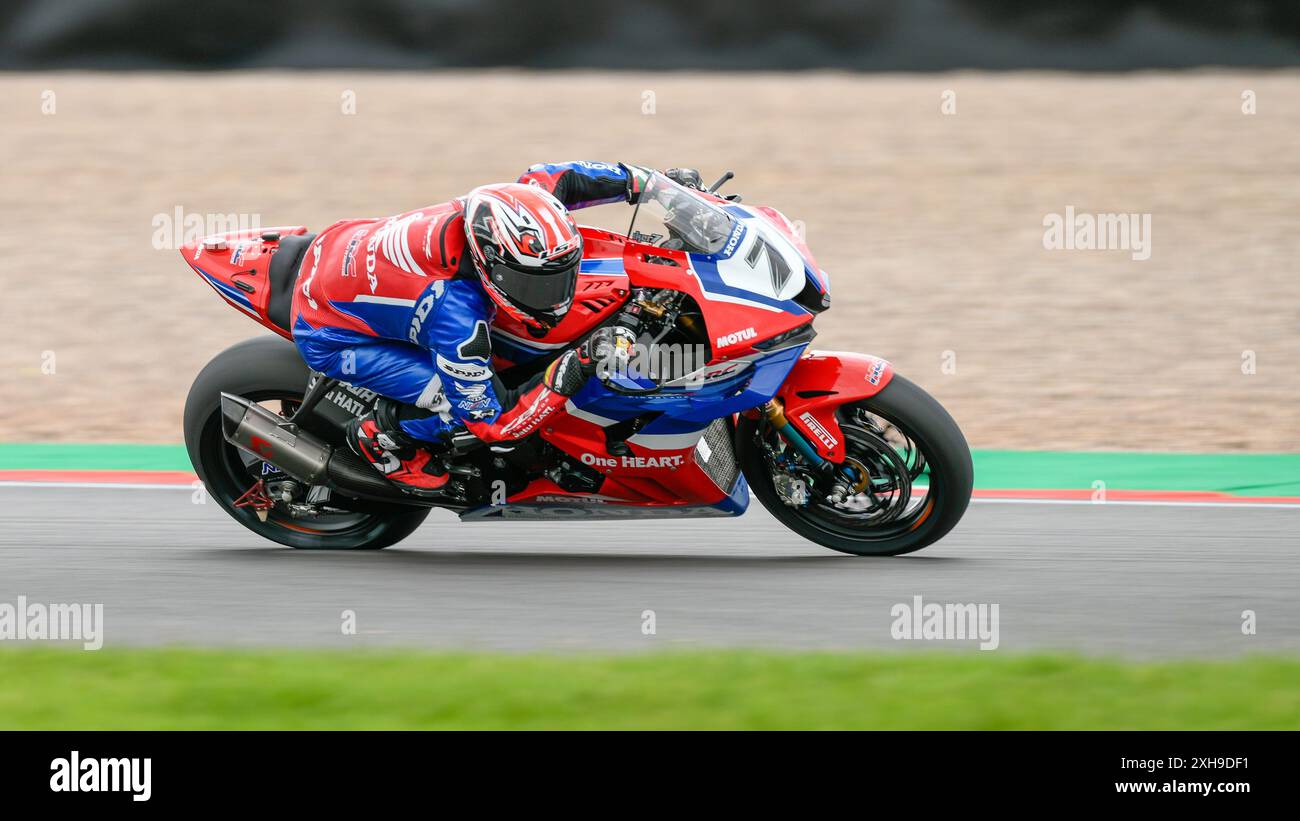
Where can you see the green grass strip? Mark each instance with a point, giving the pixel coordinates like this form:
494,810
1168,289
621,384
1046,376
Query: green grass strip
1243,474
67,456
60,688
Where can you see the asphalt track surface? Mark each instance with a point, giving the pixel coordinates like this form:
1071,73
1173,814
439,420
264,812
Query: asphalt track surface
1112,579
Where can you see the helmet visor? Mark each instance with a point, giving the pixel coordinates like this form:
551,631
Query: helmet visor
537,291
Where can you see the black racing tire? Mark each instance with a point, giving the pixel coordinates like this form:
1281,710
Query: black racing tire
261,369
935,433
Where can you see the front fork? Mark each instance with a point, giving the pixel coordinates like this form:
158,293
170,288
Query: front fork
840,479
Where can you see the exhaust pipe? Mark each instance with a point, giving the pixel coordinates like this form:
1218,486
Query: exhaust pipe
271,438
267,436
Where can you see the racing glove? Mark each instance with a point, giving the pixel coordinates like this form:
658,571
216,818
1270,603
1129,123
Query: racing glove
687,177
607,351
638,177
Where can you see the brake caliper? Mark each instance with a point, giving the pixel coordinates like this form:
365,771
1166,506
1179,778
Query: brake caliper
792,490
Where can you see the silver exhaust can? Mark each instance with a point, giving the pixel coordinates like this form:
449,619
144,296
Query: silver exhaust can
261,433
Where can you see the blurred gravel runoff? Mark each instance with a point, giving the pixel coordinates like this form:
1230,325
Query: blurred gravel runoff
931,225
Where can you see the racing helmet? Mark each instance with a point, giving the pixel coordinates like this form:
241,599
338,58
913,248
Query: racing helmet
526,249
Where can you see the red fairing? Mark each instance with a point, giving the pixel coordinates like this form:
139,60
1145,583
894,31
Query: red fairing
733,328
654,471
235,266
827,380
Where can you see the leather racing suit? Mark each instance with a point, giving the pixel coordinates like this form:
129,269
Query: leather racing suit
394,305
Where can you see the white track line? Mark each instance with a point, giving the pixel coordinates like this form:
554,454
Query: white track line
1137,503
988,501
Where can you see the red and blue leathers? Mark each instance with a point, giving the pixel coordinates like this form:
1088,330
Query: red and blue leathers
395,305
580,184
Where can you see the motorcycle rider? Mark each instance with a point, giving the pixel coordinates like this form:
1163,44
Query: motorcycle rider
402,306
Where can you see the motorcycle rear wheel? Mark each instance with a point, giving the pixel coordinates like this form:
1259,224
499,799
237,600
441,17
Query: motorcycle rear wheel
269,369
936,450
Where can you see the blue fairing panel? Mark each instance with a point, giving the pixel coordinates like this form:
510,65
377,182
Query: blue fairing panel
692,407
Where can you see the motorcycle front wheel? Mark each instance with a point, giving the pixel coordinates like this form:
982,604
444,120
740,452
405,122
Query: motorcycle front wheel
914,466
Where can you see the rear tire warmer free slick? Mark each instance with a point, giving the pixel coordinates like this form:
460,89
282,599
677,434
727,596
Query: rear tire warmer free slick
263,368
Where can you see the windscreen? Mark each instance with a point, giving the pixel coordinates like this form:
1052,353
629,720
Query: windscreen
670,216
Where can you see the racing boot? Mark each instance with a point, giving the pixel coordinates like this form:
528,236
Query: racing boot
406,462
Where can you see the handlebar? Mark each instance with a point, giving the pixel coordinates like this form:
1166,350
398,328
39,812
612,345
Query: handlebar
713,189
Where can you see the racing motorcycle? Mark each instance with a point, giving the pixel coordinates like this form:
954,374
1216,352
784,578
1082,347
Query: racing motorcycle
721,396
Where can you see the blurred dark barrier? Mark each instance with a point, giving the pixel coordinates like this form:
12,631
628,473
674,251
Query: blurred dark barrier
867,35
